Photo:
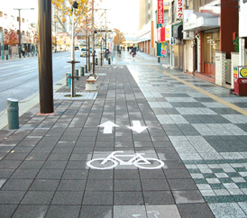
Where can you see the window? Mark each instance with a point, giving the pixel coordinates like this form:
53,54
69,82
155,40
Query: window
5,16
212,44
1,14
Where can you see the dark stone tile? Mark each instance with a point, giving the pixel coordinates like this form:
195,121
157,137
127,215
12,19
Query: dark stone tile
44,185
63,211
17,185
25,173
68,198
98,198
30,211
50,174
126,174
182,184
127,185
72,185
155,184
152,174
158,198
11,197
99,185
38,197
75,174
7,210
128,198
177,174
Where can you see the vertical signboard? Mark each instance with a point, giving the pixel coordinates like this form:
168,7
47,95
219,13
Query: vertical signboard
160,12
180,7
242,18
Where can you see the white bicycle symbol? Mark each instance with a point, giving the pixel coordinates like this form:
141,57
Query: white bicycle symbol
113,160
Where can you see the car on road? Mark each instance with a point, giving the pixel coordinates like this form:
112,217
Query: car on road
83,52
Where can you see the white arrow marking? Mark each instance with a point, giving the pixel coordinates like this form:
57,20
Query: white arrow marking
108,127
137,126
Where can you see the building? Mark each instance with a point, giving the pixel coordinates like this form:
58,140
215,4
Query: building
208,30
10,19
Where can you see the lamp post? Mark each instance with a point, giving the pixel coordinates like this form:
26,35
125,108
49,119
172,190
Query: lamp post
72,61
19,9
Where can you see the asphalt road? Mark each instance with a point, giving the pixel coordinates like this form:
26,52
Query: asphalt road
19,78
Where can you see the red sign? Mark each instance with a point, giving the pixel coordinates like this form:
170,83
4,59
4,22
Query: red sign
160,12
180,5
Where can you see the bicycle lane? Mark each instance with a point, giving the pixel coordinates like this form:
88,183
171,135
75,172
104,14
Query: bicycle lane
45,165
128,125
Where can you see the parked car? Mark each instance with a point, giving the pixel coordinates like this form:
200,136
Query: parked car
77,48
83,52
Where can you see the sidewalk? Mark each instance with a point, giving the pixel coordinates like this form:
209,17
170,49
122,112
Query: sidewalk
192,136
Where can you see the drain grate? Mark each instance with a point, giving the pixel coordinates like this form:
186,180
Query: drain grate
80,96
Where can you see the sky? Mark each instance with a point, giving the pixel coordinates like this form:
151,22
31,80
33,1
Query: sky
123,14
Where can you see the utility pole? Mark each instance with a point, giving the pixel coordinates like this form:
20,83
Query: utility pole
19,9
45,57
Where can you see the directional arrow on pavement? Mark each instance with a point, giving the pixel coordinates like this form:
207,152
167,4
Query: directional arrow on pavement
137,126
108,127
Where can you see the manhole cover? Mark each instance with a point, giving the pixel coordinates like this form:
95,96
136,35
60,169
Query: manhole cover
80,96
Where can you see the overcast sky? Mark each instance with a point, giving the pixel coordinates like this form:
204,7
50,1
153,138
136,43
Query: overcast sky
123,14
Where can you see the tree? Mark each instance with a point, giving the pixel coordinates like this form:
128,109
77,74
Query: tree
11,37
63,14
118,38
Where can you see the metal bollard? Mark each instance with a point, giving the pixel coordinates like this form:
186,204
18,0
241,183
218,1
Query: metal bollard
158,59
77,73
69,81
96,61
82,71
13,113
109,60
85,67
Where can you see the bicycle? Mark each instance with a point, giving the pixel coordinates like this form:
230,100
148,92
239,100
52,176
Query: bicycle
136,159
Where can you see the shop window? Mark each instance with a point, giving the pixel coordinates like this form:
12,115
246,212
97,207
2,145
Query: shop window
212,44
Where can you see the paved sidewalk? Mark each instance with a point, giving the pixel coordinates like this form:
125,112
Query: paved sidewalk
191,141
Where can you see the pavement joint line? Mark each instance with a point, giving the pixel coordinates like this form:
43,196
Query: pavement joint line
216,98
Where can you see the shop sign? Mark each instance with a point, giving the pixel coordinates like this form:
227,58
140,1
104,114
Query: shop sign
180,7
168,32
235,72
242,72
164,50
160,12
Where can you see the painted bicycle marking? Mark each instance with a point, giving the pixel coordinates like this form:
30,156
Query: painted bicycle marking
136,159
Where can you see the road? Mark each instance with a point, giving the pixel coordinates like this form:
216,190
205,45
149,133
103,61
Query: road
19,78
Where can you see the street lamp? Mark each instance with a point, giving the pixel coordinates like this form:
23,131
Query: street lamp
19,9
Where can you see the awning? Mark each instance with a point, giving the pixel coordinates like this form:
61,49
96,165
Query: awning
202,21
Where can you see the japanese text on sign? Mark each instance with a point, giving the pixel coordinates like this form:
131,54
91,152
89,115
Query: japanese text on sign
160,12
180,6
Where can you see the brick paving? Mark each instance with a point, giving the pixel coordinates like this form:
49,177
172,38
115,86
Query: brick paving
172,152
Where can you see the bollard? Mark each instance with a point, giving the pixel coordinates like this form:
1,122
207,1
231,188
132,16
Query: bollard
109,60
158,59
2,57
77,73
67,83
7,57
96,61
82,71
13,113
85,67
